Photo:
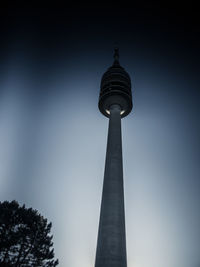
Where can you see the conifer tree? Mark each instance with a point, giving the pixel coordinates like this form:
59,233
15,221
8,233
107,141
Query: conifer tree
25,239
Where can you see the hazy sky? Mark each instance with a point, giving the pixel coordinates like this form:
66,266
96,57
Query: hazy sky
53,138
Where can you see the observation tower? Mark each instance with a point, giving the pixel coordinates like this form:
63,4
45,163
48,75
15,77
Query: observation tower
115,102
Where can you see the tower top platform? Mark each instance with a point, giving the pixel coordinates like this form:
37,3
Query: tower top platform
115,89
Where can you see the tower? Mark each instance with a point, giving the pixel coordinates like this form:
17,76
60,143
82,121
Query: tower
115,102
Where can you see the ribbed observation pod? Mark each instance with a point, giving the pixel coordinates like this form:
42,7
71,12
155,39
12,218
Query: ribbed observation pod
115,89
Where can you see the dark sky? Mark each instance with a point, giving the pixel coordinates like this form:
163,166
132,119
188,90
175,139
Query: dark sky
53,138
48,40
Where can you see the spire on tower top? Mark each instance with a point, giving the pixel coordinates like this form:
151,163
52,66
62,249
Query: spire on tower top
116,56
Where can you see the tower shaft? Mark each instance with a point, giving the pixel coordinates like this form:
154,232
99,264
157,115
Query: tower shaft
111,244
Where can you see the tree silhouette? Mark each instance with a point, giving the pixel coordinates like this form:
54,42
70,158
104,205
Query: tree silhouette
25,239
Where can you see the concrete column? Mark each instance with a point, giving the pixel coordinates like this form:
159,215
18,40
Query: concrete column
111,244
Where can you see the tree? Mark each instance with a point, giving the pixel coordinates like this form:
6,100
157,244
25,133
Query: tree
25,239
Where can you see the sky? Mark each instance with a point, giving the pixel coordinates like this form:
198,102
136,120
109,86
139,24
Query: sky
53,137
